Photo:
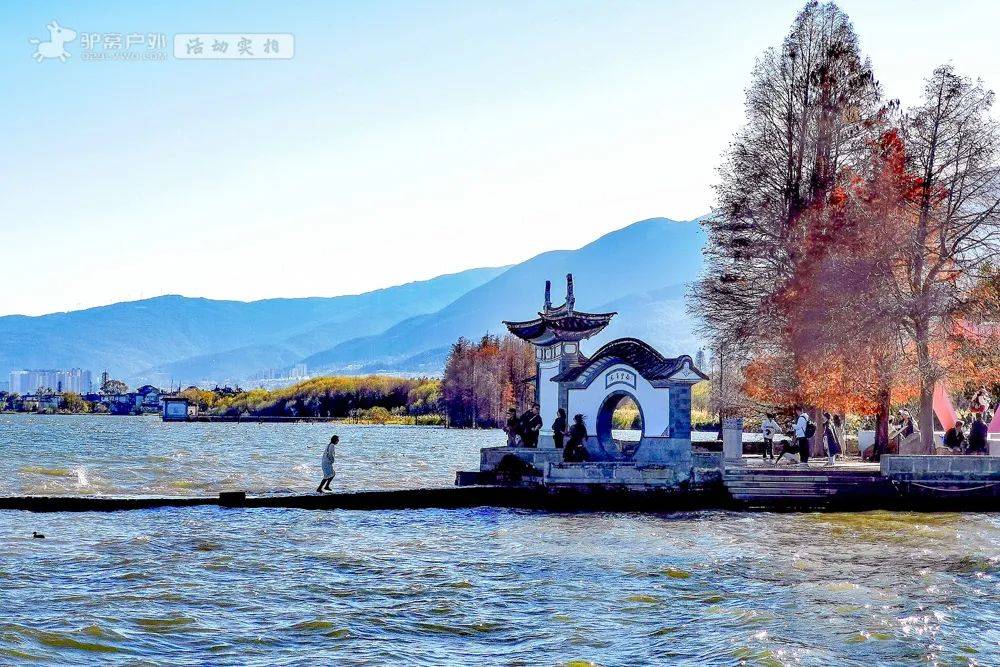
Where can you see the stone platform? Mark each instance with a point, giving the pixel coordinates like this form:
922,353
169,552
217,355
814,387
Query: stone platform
443,498
901,483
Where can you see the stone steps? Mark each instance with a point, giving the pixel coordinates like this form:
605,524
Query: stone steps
818,479
771,486
813,488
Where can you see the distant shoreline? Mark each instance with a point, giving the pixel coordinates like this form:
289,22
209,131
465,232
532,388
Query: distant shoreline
216,419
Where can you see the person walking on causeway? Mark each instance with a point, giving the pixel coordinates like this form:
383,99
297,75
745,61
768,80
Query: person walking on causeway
329,456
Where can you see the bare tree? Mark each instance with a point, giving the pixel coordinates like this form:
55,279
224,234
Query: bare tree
954,146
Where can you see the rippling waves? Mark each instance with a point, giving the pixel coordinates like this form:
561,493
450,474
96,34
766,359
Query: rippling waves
142,455
489,586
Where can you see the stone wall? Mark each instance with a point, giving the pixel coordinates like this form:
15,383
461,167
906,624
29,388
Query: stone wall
904,467
666,451
490,457
618,474
680,411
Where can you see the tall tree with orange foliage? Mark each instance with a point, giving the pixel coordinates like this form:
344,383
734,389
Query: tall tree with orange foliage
811,108
843,254
843,311
482,380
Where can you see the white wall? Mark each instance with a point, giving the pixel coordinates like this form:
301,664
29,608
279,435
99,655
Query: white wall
548,394
654,402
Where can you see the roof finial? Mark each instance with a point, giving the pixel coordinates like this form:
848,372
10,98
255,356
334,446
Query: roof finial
570,299
548,295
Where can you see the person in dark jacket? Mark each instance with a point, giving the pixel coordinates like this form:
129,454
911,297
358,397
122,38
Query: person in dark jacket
802,435
576,448
531,424
832,439
977,436
559,428
954,438
513,427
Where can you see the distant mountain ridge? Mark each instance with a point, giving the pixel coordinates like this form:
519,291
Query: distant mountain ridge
640,271
189,339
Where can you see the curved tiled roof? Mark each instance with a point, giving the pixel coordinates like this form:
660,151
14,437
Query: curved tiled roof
648,362
563,326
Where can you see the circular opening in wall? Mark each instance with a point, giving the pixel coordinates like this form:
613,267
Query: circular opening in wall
620,424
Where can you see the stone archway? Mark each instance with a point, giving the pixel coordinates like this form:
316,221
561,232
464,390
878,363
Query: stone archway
605,424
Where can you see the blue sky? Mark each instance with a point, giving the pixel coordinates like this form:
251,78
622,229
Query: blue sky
403,140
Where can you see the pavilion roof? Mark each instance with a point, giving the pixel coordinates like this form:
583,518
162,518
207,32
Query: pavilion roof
555,326
631,351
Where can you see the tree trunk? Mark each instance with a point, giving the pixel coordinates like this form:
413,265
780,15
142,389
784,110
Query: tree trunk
816,448
927,416
882,424
927,383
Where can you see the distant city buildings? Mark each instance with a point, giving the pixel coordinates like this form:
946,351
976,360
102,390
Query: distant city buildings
58,381
49,391
277,378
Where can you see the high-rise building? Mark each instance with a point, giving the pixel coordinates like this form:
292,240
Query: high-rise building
31,381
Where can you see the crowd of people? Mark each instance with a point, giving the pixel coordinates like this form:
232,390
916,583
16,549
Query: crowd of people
793,445
522,431
976,442
795,448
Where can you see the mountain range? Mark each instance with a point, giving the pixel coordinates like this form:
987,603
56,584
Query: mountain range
641,272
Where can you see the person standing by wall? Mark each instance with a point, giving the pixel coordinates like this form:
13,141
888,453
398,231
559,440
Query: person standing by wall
512,427
831,438
838,425
981,404
978,443
769,428
802,435
327,461
576,448
559,428
531,424
906,434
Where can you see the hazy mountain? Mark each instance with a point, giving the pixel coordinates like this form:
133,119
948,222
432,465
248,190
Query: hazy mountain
640,271
657,317
191,338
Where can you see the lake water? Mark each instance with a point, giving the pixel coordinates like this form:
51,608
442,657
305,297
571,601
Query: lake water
487,586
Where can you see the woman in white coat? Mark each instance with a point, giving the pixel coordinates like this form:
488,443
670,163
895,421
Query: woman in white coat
329,456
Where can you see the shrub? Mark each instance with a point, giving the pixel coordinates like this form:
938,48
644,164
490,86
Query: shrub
430,420
378,415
